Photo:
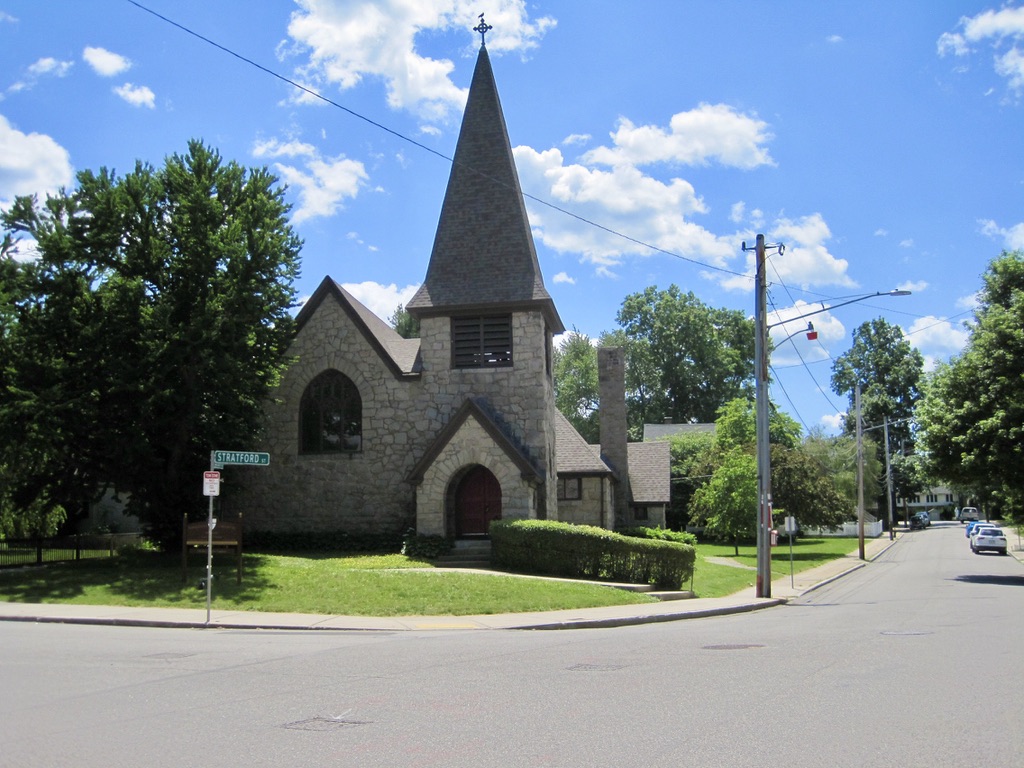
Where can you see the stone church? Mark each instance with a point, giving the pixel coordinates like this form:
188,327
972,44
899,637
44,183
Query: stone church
371,432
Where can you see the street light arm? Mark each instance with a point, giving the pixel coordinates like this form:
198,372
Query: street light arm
840,304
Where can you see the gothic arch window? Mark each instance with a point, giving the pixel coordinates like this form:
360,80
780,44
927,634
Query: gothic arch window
330,415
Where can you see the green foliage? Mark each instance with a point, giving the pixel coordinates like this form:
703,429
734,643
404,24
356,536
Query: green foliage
425,547
576,385
586,552
150,330
972,416
661,534
688,358
405,325
805,490
727,505
693,460
736,426
889,371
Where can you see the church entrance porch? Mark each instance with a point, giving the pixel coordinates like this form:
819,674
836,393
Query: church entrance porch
477,501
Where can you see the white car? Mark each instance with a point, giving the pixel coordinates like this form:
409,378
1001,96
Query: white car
989,540
978,528
968,513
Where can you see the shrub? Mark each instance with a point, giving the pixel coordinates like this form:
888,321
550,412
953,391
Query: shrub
583,551
425,547
661,534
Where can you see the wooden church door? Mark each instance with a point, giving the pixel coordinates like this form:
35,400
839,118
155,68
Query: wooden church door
477,502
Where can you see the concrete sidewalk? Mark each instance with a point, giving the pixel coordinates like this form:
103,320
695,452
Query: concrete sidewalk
614,616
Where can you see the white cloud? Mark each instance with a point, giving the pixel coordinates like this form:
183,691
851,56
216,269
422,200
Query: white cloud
44,67
968,303
806,262
136,95
913,286
563,277
30,163
709,132
998,28
1012,237
834,422
937,338
349,40
737,212
105,63
790,333
622,199
881,233
322,184
575,139
834,39
50,66
276,148
907,243
381,299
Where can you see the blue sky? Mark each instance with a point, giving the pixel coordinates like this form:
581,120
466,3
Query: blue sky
881,142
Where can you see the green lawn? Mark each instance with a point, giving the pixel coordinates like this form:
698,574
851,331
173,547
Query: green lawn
364,585
714,580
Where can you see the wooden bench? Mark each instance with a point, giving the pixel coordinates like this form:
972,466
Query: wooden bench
227,537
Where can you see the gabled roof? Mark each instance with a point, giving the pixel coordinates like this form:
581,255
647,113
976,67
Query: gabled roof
399,354
574,454
476,409
484,256
650,472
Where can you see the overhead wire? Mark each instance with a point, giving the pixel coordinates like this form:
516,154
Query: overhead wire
399,135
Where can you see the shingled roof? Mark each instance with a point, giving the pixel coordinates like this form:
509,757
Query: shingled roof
484,256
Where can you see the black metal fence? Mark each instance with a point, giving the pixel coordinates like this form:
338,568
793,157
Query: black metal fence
16,552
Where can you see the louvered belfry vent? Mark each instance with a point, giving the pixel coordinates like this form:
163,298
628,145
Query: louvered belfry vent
482,341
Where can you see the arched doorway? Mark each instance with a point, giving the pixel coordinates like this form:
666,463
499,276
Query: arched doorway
477,502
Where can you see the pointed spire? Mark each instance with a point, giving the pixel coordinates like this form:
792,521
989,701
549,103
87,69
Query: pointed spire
484,256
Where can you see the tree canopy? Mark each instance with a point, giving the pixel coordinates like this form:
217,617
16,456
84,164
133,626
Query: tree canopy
576,384
695,358
148,331
972,416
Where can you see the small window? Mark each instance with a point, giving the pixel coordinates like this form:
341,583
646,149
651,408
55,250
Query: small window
570,488
640,513
482,342
331,415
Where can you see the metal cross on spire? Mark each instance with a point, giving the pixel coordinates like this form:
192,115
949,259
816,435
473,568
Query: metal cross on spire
483,28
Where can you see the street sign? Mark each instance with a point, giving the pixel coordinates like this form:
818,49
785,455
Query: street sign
211,483
249,458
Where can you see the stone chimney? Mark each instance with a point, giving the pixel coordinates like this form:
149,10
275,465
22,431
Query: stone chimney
611,377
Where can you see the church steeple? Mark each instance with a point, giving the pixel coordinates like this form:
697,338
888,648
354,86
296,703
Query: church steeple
484,257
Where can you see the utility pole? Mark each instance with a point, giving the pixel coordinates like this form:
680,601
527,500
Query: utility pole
888,475
860,474
764,473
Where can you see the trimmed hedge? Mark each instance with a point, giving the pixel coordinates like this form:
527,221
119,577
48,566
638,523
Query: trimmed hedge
549,548
661,534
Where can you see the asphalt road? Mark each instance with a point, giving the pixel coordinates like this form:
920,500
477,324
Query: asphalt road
910,661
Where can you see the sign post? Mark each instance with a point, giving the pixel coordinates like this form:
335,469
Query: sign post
211,488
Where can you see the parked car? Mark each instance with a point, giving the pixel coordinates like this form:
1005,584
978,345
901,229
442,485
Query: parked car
989,540
969,513
919,520
979,529
974,524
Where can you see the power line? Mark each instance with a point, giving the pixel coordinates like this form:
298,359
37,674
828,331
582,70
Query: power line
420,145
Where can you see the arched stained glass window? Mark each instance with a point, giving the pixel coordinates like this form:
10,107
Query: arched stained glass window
330,415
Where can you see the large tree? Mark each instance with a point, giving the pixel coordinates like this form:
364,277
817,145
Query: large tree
972,416
889,371
150,329
698,357
576,384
